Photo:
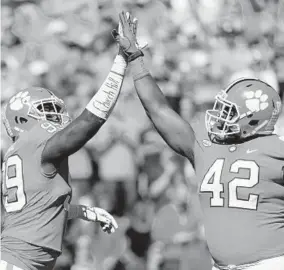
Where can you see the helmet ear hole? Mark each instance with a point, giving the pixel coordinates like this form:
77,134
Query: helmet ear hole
21,120
253,122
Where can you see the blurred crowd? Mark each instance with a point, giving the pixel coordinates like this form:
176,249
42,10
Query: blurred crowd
195,48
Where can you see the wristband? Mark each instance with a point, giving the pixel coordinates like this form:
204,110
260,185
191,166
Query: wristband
104,100
77,211
119,65
138,69
135,55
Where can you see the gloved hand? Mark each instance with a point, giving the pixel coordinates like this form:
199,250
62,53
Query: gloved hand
105,219
126,36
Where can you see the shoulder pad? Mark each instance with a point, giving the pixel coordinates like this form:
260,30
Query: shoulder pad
42,131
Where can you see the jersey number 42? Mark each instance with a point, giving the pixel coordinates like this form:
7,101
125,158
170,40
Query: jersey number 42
212,183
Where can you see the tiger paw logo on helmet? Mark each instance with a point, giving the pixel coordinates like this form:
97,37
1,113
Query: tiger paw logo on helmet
256,101
17,102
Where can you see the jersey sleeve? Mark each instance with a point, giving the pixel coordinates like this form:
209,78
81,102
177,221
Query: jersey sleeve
202,140
280,155
272,147
201,135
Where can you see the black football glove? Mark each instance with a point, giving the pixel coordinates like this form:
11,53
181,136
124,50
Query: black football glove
126,36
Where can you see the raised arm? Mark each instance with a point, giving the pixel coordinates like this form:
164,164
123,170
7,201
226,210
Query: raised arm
175,131
70,139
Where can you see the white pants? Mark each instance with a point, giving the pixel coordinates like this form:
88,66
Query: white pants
276,263
7,266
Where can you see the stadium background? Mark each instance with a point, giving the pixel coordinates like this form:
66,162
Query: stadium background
195,48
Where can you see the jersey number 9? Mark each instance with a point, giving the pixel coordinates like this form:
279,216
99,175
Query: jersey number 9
14,198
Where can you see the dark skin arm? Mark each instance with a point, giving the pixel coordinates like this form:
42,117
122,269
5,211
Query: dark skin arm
70,139
177,133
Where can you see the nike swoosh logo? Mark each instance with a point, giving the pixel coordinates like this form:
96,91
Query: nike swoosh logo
251,151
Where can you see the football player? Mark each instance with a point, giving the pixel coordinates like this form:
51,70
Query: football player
36,187
239,163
